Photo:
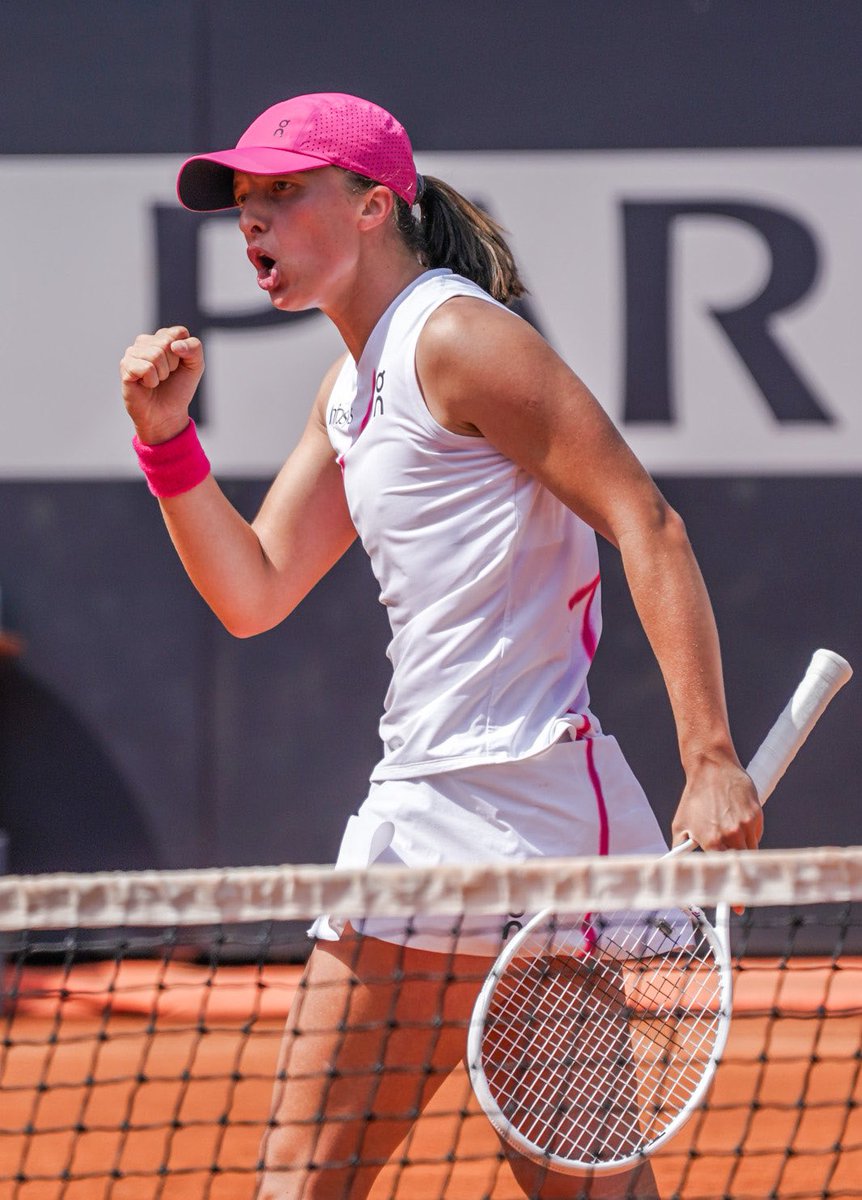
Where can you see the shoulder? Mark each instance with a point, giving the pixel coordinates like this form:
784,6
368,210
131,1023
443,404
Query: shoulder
470,348
471,332
465,312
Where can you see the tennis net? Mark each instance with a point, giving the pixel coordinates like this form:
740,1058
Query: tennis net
144,1052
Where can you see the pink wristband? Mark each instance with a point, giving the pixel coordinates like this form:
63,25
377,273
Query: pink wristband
175,466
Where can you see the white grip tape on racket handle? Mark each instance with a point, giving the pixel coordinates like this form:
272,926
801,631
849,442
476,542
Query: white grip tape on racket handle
826,675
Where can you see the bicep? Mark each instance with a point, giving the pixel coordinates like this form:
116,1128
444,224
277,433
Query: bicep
304,525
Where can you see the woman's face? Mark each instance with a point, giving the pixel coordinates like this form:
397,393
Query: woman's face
302,235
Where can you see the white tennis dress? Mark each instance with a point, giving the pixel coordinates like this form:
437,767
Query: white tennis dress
492,589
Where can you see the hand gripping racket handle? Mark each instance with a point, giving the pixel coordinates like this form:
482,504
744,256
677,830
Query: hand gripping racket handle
826,675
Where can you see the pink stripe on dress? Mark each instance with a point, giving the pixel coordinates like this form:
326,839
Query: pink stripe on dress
368,410
588,637
604,826
588,929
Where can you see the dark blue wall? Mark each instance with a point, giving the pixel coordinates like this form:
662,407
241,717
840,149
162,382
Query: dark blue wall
172,75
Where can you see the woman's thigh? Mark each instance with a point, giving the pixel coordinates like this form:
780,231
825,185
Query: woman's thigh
374,1030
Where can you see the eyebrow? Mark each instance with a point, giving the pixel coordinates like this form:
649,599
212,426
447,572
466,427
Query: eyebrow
293,176
275,175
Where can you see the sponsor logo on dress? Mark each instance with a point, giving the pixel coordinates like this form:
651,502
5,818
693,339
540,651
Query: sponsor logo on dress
340,417
377,406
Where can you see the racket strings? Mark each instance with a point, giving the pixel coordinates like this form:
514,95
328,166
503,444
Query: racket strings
592,1054
534,1075
569,1070
542,1112
543,1040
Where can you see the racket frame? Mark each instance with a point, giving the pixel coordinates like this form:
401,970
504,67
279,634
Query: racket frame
825,676
718,938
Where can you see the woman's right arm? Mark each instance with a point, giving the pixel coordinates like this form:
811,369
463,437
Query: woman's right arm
250,574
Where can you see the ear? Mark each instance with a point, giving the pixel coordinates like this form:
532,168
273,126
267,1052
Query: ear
377,205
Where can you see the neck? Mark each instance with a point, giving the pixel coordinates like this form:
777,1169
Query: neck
374,288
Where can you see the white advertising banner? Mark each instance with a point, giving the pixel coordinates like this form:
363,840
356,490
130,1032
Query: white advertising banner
711,299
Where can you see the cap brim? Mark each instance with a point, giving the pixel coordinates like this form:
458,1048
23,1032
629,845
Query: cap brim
205,182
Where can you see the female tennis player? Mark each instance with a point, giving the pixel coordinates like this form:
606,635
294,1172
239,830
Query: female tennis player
475,467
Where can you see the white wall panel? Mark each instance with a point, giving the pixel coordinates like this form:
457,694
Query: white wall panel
77,245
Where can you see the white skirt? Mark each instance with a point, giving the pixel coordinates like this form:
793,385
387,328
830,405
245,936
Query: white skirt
576,798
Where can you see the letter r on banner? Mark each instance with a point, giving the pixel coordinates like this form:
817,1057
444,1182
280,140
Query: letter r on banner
648,232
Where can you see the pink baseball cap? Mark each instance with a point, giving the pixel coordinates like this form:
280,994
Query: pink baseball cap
307,132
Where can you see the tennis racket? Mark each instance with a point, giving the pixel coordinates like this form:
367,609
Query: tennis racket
595,1037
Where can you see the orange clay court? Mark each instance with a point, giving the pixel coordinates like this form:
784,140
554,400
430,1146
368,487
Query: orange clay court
165,1094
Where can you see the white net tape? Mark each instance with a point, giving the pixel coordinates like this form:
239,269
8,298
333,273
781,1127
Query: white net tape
154,898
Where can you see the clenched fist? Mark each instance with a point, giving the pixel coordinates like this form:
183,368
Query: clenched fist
160,373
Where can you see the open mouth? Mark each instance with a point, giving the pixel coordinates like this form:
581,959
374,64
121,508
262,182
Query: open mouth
265,265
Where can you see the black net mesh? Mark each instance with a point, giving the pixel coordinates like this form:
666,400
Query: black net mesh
210,1059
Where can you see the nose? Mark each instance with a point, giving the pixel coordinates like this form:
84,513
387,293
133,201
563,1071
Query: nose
252,216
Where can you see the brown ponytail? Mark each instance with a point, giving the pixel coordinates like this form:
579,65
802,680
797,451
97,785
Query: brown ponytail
460,236
454,233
